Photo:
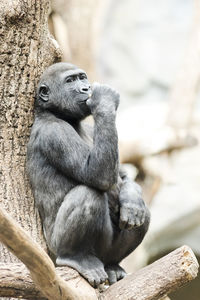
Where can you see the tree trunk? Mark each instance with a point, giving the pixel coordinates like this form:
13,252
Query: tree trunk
26,49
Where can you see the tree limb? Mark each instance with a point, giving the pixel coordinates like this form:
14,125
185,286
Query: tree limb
158,279
15,281
41,267
162,140
151,282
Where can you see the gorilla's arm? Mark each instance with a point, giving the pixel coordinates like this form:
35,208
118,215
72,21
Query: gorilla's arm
96,167
132,207
125,199
128,209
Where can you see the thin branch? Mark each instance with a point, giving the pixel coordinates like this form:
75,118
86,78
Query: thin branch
15,281
163,140
41,267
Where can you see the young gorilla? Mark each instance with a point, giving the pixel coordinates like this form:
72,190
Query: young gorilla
93,214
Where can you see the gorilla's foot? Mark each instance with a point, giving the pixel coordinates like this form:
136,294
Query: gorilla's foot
89,266
115,273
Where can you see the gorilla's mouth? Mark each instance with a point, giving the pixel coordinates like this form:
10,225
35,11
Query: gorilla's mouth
84,97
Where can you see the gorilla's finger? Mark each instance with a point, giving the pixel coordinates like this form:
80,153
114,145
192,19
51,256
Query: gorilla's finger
102,275
139,214
91,281
123,218
143,217
138,222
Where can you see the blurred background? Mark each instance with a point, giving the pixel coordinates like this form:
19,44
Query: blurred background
149,50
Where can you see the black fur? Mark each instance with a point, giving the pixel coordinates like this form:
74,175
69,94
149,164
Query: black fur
93,215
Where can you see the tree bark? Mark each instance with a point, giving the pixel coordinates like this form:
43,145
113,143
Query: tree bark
158,279
41,268
15,280
150,283
26,49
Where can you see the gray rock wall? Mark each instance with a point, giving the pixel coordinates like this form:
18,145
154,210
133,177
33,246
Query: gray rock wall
142,46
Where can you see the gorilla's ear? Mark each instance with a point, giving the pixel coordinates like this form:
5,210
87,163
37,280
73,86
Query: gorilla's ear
44,92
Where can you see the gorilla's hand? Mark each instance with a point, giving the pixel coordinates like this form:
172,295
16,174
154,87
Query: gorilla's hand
104,99
132,206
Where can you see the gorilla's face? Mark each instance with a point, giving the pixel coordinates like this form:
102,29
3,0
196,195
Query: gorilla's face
64,89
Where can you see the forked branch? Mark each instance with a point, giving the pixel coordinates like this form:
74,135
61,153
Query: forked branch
41,267
150,283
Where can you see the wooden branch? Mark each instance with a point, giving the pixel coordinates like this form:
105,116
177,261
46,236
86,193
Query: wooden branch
15,280
158,279
41,267
163,140
150,283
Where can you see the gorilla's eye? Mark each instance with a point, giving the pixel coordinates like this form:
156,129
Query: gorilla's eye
44,92
69,79
82,76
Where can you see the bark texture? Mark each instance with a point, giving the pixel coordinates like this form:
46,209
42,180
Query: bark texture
26,49
15,280
150,283
158,279
41,268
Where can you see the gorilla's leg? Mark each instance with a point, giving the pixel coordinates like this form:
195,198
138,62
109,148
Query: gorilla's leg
124,242
82,232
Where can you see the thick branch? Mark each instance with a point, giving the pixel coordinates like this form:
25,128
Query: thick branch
158,279
150,283
15,281
163,140
39,264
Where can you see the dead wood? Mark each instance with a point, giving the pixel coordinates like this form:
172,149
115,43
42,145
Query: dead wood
152,282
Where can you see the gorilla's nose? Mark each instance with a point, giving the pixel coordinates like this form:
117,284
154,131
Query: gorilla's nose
85,89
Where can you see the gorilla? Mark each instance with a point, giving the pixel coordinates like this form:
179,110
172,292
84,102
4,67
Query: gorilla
93,215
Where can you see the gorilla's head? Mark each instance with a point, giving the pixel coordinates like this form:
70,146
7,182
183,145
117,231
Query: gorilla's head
63,89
